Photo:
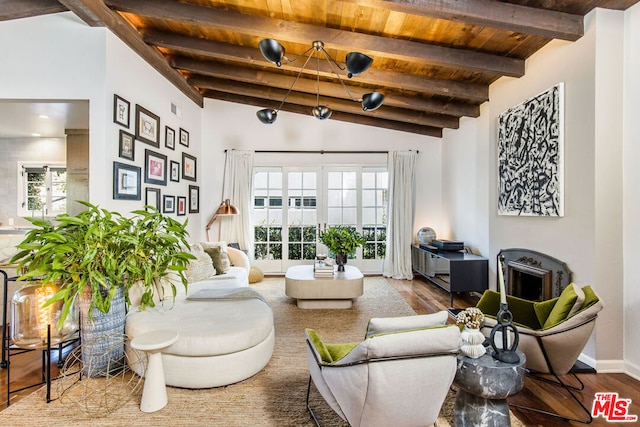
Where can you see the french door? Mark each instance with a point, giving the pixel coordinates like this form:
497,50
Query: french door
293,205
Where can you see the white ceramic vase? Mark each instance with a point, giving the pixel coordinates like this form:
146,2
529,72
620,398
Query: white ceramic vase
472,340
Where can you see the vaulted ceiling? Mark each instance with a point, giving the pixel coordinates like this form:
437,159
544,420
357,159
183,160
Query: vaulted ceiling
432,59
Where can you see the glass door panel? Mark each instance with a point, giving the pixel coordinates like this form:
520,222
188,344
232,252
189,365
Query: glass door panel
267,219
292,205
302,191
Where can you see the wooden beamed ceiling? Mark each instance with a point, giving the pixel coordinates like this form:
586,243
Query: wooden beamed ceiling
433,60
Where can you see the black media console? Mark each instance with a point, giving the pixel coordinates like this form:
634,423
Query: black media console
452,271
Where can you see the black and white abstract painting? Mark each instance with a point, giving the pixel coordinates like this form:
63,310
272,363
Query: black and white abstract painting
530,156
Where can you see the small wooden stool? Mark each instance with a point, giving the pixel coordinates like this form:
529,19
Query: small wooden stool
154,394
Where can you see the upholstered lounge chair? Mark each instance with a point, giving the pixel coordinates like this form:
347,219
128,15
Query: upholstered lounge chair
552,334
398,376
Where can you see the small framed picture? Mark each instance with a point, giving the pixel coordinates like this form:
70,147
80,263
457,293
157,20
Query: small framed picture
182,205
188,167
169,138
147,126
174,171
194,199
152,197
126,145
126,182
168,204
184,137
155,168
121,111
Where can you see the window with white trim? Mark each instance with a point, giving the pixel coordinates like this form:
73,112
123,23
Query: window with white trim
42,189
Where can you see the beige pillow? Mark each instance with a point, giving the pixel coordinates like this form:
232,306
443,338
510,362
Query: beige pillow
200,268
216,259
224,255
579,300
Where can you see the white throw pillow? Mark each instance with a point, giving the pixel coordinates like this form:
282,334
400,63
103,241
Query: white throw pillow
200,268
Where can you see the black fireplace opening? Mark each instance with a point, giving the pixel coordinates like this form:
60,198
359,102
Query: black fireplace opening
532,275
528,282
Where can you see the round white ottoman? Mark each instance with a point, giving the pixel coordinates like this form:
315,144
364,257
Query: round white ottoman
220,342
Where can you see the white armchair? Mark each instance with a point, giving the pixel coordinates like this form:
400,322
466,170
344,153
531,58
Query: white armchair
399,375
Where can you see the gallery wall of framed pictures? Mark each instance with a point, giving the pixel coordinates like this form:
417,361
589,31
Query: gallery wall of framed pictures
167,179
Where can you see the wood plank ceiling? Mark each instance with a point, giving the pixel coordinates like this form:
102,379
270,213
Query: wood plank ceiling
432,59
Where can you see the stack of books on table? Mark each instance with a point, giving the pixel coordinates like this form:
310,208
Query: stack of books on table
322,269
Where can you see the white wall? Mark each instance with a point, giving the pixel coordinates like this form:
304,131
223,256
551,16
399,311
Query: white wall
60,57
235,126
130,77
44,56
631,156
465,183
589,236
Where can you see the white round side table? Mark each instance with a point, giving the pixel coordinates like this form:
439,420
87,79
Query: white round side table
154,393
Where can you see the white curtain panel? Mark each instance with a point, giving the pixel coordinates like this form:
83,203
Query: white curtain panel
397,263
238,188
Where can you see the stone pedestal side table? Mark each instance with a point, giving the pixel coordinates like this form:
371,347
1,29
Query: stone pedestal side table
483,387
154,393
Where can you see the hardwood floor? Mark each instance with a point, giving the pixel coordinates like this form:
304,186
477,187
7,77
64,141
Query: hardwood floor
423,298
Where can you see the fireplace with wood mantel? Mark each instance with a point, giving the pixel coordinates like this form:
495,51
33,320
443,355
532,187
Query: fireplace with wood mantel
533,275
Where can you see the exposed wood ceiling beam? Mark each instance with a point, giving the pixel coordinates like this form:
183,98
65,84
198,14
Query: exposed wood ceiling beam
334,90
16,9
491,13
374,77
309,100
345,117
95,13
334,38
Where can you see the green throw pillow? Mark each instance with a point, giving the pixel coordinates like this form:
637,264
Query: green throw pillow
216,259
543,309
562,308
522,310
329,353
320,347
338,351
590,297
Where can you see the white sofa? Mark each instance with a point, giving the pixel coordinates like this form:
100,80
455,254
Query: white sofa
221,341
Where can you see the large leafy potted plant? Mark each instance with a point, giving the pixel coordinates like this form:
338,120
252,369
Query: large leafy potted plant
341,240
96,256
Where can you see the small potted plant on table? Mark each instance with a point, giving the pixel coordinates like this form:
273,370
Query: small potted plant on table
341,241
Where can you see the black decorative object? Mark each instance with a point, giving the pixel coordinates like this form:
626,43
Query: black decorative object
504,353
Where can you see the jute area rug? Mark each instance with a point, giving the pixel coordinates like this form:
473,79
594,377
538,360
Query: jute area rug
273,397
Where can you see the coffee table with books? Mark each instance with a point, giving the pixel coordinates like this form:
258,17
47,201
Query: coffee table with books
321,287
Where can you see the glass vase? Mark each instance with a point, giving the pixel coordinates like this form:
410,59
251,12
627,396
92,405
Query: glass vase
30,320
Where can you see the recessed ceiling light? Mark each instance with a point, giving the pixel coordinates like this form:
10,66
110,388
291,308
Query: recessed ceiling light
36,134
43,116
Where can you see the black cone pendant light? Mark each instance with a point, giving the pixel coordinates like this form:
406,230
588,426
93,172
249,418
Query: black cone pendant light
356,63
